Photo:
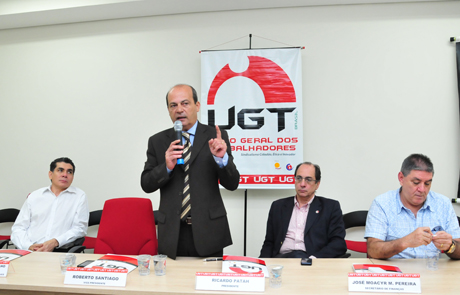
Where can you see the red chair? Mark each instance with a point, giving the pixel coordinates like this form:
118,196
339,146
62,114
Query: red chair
7,215
127,227
355,219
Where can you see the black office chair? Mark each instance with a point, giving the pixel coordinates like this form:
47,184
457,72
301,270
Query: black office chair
72,247
355,219
10,215
81,244
94,219
7,215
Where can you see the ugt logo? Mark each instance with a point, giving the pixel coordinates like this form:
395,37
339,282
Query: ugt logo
272,80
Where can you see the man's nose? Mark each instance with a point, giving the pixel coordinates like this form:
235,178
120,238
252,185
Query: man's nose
421,187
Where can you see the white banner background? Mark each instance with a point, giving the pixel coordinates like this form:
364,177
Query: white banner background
256,95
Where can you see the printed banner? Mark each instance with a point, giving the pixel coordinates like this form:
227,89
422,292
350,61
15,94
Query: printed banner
256,96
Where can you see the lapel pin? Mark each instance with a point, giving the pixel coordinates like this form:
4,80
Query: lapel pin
317,211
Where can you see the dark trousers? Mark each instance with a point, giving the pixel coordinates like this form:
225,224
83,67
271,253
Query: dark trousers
186,245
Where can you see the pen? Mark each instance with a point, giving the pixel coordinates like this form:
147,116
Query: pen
212,259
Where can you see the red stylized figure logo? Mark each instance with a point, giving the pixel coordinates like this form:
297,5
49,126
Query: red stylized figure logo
271,78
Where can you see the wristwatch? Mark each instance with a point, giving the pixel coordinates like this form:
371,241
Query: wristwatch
451,248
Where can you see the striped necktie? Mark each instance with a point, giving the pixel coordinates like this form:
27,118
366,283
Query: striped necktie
186,206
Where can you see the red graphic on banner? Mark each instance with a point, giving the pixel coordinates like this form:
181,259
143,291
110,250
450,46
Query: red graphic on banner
267,179
271,78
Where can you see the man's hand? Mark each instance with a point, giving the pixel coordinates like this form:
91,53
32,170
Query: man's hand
48,246
385,249
173,153
217,145
420,236
442,240
35,247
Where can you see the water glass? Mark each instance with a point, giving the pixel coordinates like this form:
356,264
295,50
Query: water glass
275,275
432,257
67,260
159,263
143,264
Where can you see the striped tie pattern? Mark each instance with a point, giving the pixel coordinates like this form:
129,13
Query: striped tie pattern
186,206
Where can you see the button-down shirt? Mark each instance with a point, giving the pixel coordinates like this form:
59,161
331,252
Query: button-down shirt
388,219
296,230
45,216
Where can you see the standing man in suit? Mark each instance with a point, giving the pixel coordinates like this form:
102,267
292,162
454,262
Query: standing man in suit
305,226
192,220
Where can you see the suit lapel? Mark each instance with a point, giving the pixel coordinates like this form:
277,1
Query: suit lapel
201,138
286,214
313,213
172,136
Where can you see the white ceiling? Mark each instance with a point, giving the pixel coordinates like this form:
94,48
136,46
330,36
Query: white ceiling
28,13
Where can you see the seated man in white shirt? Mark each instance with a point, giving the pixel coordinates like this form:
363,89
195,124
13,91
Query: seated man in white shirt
52,216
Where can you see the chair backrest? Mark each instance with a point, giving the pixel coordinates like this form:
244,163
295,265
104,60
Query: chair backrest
94,219
127,227
355,219
8,215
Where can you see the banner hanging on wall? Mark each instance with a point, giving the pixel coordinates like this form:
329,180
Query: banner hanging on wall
256,96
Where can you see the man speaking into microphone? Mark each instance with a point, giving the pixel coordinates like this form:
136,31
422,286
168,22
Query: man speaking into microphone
192,220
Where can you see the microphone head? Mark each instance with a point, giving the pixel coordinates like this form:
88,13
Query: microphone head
178,126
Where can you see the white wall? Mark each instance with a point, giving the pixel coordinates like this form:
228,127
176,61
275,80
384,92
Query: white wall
379,84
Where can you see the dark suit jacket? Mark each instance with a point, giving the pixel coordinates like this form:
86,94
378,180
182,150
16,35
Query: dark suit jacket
210,227
324,229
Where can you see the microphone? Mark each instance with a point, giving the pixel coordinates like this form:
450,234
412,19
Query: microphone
178,130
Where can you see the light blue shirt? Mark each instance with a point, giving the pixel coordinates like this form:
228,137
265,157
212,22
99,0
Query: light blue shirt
389,220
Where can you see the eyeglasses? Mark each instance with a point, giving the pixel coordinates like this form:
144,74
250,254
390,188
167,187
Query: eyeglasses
308,180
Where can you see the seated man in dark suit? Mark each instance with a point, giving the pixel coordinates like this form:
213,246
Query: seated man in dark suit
305,226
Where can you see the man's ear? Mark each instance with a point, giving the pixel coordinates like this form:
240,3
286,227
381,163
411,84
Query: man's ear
400,178
317,187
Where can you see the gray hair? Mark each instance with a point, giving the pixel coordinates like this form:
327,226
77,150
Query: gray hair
417,162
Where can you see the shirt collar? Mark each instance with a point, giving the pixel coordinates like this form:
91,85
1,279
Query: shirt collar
192,130
70,189
398,201
428,202
296,203
427,205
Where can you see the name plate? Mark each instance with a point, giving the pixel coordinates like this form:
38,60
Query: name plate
221,281
4,268
96,276
384,282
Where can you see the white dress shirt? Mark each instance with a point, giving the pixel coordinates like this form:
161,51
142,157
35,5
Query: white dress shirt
45,216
